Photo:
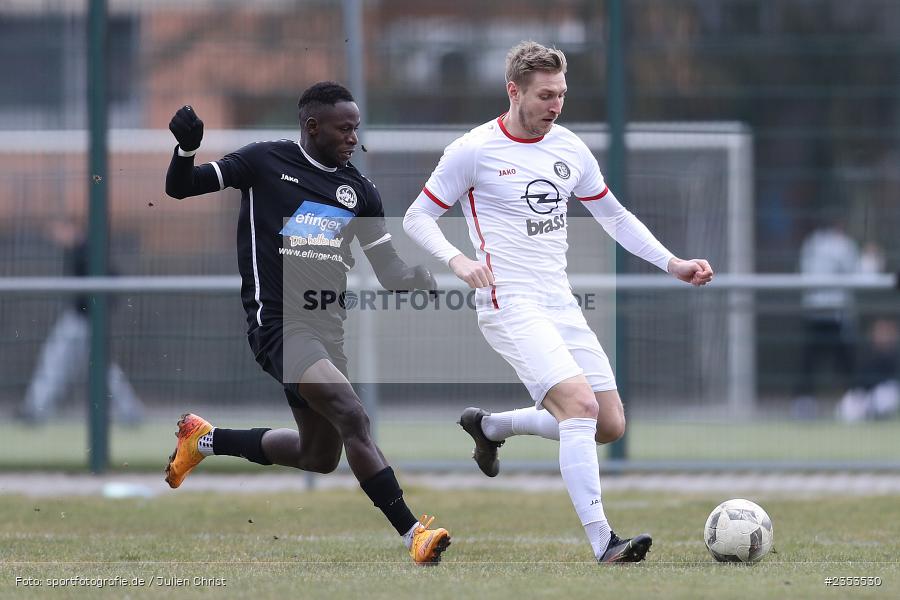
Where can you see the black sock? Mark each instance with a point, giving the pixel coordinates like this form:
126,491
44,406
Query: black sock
384,491
246,443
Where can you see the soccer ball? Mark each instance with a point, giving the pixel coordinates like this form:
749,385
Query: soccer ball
738,531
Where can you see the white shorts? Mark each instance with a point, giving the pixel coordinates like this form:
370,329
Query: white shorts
547,345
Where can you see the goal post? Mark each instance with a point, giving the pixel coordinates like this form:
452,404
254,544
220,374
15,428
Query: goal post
691,183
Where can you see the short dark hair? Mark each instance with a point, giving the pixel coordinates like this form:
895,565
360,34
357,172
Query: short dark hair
324,93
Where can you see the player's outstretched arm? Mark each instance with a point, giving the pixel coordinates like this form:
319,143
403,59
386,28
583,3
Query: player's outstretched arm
634,236
627,230
183,179
394,274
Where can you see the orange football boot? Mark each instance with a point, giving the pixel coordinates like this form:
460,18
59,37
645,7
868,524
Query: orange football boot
186,455
428,544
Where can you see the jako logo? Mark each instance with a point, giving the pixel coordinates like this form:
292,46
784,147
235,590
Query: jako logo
539,227
289,178
507,172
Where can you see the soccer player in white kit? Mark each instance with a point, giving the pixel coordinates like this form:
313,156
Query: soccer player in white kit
514,176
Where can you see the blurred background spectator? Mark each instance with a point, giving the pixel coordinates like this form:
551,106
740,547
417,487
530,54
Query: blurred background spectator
63,358
875,393
828,318
815,84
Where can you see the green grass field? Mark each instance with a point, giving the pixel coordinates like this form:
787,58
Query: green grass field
63,445
333,544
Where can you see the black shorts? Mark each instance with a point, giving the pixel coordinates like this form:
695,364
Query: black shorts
286,351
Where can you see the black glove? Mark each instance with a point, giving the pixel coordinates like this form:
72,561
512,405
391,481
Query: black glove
422,279
187,128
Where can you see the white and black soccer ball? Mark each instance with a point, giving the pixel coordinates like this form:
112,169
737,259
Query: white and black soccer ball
738,531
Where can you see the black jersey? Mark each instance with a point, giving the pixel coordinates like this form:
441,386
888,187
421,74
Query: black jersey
296,223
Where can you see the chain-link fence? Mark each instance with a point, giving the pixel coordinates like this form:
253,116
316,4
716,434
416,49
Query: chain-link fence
813,85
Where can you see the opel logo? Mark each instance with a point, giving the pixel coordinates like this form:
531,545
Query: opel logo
542,196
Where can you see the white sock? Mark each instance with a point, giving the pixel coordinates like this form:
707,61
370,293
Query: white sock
497,426
205,443
522,421
599,535
408,536
580,471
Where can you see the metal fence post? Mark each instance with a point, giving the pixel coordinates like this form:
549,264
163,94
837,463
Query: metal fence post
355,57
98,234
617,176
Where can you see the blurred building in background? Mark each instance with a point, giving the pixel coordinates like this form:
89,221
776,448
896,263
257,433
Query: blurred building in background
817,82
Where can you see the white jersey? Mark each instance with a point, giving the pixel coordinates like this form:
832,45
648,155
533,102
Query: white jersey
829,251
514,195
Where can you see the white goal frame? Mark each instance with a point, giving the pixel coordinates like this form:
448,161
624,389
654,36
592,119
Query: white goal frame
733,139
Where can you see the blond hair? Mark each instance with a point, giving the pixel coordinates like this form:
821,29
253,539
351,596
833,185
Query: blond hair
525,58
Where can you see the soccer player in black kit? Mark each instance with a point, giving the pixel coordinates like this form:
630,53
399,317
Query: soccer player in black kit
302,204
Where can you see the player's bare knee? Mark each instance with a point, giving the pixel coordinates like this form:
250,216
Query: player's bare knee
351,420
611,429
619,430
320,463
584,407
330,463
319,454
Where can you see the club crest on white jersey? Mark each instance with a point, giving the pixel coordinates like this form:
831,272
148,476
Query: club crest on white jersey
562,169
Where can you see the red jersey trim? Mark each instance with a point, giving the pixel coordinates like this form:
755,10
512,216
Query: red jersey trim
512,137
435,199
481,237
597,197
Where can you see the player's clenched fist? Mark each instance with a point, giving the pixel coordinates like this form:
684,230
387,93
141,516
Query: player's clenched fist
423,279
187,128
695,271
472,272
416,278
